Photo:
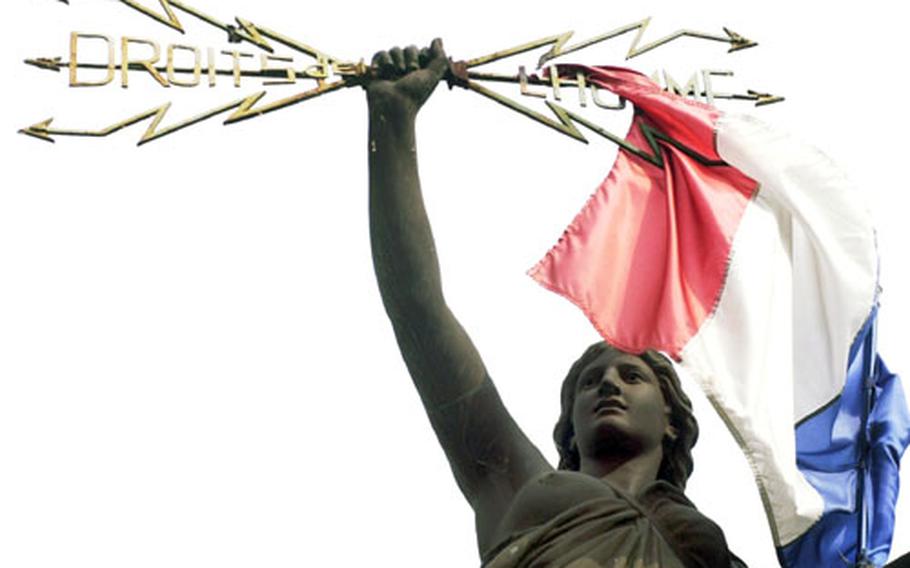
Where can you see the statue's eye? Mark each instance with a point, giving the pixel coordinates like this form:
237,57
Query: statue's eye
589,379
633,376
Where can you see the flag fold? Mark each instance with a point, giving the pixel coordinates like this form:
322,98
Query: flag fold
747,256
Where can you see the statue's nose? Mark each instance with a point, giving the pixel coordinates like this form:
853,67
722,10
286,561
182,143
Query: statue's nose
609,383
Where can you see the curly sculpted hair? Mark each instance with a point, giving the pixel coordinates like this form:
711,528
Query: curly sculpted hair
677,450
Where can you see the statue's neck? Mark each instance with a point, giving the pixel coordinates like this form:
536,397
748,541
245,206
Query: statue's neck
628,474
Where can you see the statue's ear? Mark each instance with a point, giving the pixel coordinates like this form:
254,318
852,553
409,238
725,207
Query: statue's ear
671,433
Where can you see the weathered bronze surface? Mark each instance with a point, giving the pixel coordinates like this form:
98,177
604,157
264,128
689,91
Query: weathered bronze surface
626,428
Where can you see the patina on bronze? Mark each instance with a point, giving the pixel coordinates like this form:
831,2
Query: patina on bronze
332,73
626,428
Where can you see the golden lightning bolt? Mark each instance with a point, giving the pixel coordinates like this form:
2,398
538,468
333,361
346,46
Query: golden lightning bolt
43,130
245,109
169,19
349,74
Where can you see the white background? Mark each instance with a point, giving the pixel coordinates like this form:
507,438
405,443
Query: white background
195,369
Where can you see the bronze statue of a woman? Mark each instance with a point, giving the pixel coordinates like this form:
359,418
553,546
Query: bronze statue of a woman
626,429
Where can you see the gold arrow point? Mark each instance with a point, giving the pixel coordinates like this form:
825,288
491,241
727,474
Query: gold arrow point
39,130
51,63
738,42
43,125
769,101
739,46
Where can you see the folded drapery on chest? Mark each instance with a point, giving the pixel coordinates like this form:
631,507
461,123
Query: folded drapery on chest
614,532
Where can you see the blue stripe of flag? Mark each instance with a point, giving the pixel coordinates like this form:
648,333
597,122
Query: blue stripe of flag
829,449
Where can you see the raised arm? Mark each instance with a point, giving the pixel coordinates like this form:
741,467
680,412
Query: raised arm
490,457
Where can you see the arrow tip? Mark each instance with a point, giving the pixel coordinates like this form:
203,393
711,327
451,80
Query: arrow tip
762,99
51,63
769,101
738,42
39,130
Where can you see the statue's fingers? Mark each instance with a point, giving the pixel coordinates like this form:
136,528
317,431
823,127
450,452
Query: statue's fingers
424,56
411,58
439,62
382,64
397,59
377,59
436,48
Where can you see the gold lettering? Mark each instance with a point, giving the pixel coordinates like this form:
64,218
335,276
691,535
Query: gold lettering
291,77
212,75
582,99
147,64
595,96
346,68
74,60
197,66
236,55
555,83
523,81
672,86
320,71
706,75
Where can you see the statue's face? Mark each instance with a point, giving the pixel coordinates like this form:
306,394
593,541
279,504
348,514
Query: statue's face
619,407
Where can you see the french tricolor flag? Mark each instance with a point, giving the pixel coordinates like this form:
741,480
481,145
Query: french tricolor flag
748,257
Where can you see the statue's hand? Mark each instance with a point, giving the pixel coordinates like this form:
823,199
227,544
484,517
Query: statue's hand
405,78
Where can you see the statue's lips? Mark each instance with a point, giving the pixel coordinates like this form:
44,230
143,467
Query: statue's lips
609,405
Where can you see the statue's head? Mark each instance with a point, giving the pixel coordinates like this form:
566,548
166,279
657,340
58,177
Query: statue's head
626,403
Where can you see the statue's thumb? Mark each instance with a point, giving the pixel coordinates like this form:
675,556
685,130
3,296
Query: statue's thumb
439,63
